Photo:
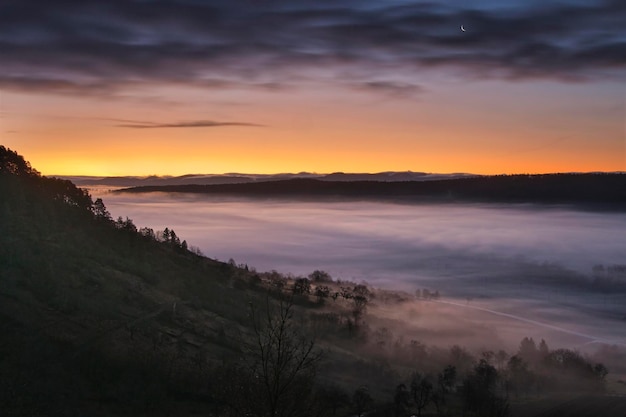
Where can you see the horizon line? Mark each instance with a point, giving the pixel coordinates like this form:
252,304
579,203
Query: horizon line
326,174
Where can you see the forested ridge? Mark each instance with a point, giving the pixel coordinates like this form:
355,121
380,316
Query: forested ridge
99,317
593,189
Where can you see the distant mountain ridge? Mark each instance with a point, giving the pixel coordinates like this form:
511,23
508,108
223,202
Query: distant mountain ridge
586,189
238,178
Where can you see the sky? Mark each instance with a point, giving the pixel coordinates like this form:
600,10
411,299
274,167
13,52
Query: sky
171,87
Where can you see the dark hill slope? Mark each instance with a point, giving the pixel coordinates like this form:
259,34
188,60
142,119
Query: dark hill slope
95,316
549,188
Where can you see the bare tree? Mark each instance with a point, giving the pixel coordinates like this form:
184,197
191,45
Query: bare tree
284,360
421,391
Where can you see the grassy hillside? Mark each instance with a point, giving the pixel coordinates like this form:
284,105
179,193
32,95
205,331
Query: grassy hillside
98,318
80,290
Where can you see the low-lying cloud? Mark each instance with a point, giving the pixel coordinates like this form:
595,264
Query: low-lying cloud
382,241
535,262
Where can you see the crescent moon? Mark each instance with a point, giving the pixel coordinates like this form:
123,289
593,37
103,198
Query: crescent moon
462,28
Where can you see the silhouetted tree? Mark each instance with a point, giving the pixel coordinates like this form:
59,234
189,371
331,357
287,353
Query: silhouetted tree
320,276
360,296
147,232
421,391
480,392
445,383
174,240
100,211
519,377
362,400
401,400
284,359
544,351
600,371
11,163
302,286
575,371
321,292
125,224
528,350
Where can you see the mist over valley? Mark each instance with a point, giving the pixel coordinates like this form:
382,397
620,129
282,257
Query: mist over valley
535,262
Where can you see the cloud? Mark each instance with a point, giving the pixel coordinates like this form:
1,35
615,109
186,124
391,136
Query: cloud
391,88
53,85
103,47
193,123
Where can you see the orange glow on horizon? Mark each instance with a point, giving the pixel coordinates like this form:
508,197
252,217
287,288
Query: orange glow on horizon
320,132
349,157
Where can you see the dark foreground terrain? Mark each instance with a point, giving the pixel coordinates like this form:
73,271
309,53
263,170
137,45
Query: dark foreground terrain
101,318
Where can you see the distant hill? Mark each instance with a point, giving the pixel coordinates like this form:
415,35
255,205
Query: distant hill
234,178
609,189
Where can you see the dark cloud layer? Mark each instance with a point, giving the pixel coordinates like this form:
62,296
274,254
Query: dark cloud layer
193,123
101,47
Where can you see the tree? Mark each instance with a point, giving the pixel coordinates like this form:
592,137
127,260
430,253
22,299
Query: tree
12,163
100,211
362,400
544,351
528,350
519,377
445,383
320,276
174,240
421,391
127,224
321,292
575,371
283,359
401,400
147,232
480,390
600,372
302,286
360,296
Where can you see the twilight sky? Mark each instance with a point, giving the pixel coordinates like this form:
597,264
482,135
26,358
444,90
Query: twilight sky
138,87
